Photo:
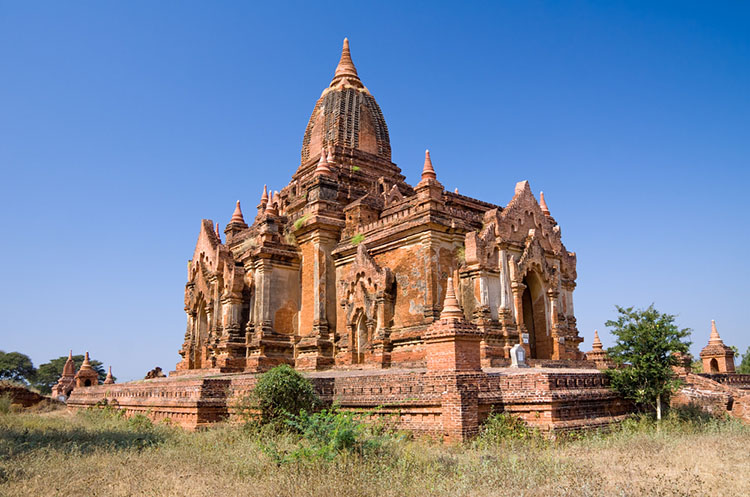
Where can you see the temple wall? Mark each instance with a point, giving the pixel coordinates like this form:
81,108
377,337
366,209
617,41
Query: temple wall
307,276
408,264
416,400
285,299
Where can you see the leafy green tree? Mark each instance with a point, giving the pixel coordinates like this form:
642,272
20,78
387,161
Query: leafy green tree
16,366
644,353
49,372
744,367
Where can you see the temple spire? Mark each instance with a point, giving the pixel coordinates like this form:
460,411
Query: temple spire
110,379
597,345
428,172
218,233
69,367
714,338
264,197
323,167
237,215
86,363
543,204
346,70
451,310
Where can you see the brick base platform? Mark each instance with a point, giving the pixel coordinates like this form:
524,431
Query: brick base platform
447,404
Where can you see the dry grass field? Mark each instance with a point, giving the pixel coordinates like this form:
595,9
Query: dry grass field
99,453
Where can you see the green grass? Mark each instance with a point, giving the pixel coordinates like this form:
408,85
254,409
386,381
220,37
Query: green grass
102,453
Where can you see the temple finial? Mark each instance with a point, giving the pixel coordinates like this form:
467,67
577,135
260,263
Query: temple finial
264,197
597,345
237,215
86,360
543,204
428,172
451,310
323,167
714,333
346,69
69,369
109,379
218,233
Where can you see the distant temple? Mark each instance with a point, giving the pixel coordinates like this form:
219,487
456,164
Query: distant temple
346,266
85,377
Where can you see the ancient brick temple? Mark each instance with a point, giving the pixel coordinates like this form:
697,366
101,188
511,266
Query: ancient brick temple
347,264
408,299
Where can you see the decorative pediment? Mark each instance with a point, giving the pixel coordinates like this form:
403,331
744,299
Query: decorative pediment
394,196
365,283
534,258
522,214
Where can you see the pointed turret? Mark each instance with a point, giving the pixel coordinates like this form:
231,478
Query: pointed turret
323,168
597,345
109,379
236,224
67,381
428,172
452,342
270,210
263,200
218,233
451,310
69,370
714,338
597,354
345,71
346,115
237,215
429,188
543,204
716,356
86,375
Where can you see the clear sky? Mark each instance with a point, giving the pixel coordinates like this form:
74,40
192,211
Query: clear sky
122,124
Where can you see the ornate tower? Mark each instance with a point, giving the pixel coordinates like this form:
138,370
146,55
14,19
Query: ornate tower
717,357
86,376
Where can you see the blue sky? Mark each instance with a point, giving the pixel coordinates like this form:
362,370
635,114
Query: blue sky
122,124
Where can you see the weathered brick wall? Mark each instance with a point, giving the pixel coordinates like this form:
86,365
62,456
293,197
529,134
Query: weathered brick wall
449,404
728,395
21,395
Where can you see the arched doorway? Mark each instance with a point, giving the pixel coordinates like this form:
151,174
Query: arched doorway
714,365
360,338
535,317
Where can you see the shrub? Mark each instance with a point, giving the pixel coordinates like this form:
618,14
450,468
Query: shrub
332,432
6,400
279,393
358,238
502,427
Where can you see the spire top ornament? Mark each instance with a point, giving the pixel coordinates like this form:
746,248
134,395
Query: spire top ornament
346,71
543,204
428,172
237,215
